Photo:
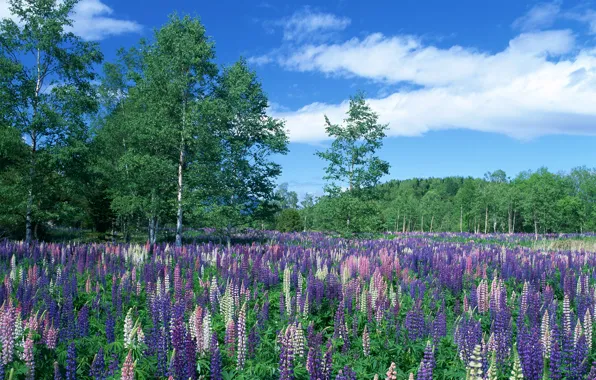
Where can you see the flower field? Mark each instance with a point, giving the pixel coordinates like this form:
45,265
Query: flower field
301,306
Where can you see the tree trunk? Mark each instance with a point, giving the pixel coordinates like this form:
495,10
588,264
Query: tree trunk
486,221
513,224
422,224
403,229
461,219
431,223
180,183
179,214
153,228
29,211
397,221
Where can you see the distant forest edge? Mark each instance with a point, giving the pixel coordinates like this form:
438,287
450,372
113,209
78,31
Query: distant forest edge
532,202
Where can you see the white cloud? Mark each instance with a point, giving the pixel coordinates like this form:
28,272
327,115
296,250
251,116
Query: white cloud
92,20
541,83
540,16
307,24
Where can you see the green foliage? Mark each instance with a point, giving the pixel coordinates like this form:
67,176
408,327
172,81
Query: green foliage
351,158
289,220
46,94
538,201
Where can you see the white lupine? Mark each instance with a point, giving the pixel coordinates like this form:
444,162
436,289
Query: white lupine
286,289
363,298
306,307
166,282
140,335
578,332
588,329
226,305
128,330
207,331
566,315
298,340
545,335
392,296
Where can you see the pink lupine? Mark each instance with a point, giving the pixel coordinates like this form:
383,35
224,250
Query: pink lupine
7,327
51,338
482,296
391,372
128,368
366,341
28,357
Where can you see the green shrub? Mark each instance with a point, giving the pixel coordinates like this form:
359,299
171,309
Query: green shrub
289,220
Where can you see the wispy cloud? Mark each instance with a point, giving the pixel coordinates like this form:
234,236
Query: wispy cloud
92,20
541,82
540,16
306,24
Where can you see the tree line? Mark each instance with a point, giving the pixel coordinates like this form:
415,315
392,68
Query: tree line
162,136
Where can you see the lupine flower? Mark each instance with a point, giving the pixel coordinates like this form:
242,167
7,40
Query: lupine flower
566,315
516,371
482,296
98,366
7,323
492,368
346,374
286,356
588,328
474,367
230,338
427,364
215,367
241,359
391,372
29,358
365,342
51,338
57,373
545,338
128,327
71,362
128,368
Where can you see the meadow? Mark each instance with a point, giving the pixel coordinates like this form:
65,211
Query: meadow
299,306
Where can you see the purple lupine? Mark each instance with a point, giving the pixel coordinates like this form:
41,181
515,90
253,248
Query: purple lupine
83,322
215,367
555,354
29,358
427,364
580,354
162,352
346,374
286,356
113,366
110,325
439,328
328,362
98,366
530,353
57,373
71,362
415,323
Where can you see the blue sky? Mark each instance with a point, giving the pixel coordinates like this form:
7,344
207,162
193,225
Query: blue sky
466,86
